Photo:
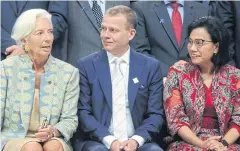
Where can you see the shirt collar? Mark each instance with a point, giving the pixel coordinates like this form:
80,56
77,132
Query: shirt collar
125,57
167,2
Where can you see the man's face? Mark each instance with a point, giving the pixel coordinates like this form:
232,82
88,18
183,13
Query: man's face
116,33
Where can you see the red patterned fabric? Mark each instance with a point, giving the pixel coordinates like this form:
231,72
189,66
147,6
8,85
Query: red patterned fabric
209,119
203,135
184,102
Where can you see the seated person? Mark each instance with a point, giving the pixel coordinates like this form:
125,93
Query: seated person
39,93
120,105
202,97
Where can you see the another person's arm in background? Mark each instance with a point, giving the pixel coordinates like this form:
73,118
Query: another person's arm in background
9,16
6,41
59,12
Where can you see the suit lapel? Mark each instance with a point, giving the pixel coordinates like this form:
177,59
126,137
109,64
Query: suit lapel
103,73
88,11
164,19
188,18
26,106
25,97
14,7
135,71
21,6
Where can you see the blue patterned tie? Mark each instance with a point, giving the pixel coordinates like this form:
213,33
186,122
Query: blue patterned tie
97,13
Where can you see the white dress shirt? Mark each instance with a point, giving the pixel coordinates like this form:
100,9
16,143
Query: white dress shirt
107,141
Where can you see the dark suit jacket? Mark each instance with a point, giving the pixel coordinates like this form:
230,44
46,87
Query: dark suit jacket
155,35
211,6
229,12
145,97
83,32
11,10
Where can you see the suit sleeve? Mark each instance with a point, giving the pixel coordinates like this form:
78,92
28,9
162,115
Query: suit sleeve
154,116
225,12
85,114
8,18
173,103
6,40
140,42
68,122
59,11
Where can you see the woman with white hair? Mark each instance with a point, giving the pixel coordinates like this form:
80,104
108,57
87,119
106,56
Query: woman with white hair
38,92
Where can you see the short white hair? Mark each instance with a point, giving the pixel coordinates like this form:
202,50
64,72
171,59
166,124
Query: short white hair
26,23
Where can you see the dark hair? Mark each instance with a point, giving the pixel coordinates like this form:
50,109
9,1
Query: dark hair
126,11
218,34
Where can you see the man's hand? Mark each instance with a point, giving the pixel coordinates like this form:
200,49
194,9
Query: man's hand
14,50
115,146
129,145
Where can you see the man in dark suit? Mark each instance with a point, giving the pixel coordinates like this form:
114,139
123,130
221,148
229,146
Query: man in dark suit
11,10
84,30
229,12
120,105
156,34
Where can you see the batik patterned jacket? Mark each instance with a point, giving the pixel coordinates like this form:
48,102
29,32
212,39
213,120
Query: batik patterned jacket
59,93
184,97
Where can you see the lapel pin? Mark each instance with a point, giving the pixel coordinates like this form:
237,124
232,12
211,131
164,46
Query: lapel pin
135,80
83,9
162,21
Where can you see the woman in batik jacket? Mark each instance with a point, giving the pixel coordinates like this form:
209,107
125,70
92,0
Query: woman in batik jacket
202,97
38,93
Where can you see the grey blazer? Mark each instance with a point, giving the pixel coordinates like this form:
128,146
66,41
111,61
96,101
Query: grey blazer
155,35
83,31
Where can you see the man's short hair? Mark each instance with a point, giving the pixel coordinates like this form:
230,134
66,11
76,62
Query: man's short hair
126,11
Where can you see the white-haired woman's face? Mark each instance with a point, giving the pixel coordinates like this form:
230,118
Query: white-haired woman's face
41,39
